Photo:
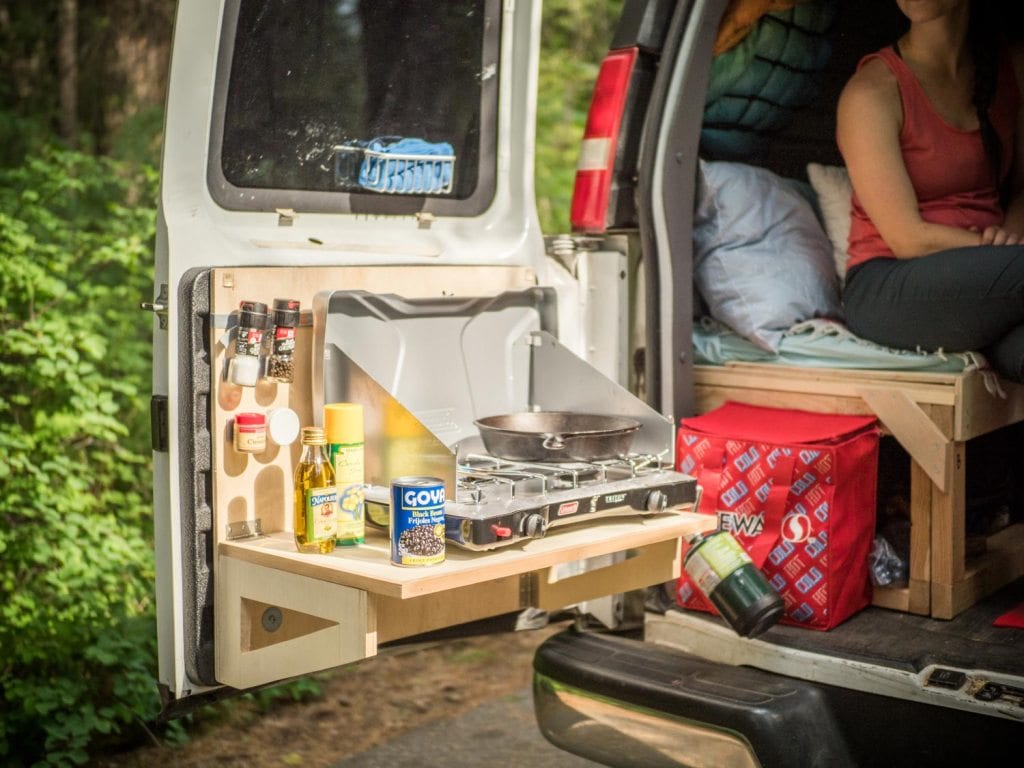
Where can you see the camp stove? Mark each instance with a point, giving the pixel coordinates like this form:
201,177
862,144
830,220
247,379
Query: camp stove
426,370
499,502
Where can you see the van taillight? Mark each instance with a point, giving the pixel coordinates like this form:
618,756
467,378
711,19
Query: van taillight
597,152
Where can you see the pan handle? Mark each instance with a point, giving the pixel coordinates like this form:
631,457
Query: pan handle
553,442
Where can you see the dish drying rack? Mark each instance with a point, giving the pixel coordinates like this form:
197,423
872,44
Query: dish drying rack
357,167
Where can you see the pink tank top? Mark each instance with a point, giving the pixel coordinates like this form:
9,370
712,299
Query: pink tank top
947,166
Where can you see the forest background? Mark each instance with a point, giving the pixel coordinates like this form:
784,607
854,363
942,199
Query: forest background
82,87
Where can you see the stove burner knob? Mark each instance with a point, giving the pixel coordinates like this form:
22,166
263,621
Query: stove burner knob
534,526
656,501
501,532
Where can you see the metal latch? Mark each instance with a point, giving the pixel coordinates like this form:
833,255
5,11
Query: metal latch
158,306
158,423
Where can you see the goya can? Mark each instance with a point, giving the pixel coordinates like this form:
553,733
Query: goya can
724,572
417,521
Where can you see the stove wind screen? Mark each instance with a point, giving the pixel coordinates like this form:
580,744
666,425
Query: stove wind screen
448,361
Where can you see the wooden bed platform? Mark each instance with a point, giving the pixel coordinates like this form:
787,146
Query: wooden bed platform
932,416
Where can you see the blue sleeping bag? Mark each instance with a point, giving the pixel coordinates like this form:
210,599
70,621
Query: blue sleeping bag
755,87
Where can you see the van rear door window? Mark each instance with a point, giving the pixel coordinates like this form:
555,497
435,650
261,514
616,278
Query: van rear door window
320,93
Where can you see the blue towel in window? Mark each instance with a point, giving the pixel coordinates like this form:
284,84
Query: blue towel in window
410,176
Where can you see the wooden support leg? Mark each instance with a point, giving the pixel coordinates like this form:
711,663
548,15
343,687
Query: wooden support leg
947,549
921,489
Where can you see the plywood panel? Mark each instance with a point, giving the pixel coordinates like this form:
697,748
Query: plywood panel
397,618
249,487
654,564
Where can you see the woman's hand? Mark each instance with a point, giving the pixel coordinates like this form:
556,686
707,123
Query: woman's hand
998,236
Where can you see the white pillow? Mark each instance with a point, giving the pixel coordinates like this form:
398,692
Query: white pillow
762,261
831,183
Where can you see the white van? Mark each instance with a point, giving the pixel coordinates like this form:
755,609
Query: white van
374,162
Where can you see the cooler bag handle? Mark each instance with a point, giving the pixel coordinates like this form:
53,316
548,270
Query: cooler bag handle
774,510
710,476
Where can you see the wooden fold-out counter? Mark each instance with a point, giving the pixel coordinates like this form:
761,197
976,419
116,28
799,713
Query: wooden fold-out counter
278,614
932,416
281,613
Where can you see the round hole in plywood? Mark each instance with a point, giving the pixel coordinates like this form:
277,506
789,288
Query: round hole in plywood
272,496
269,456
266,392
238,511
229,396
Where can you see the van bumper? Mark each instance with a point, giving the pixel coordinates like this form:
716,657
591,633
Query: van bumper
627,704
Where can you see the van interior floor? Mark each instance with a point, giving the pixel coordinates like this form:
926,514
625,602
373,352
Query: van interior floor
886,638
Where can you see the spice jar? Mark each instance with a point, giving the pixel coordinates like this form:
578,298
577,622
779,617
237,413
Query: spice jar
244,369
281,366
250,433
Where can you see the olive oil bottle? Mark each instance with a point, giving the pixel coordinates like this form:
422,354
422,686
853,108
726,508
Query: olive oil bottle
316,496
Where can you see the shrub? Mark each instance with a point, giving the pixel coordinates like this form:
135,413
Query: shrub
77,634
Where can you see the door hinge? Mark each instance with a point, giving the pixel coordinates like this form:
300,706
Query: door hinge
158,306
159,423
527,589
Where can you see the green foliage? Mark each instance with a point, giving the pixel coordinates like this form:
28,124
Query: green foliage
77,634
575,37
138,140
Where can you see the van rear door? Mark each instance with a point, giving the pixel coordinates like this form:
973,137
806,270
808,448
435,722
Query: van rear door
279,181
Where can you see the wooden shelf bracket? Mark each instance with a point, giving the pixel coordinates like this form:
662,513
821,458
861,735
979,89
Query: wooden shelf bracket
273,625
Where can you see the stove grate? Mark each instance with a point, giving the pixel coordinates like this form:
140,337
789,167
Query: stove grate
481,477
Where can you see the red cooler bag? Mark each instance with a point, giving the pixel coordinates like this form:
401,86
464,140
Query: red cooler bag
798,491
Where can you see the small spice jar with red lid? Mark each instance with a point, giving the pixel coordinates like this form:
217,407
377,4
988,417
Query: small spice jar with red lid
250,433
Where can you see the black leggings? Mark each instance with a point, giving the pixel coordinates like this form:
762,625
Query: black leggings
957,300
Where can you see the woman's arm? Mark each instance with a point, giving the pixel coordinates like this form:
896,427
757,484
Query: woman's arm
1014,220
869,119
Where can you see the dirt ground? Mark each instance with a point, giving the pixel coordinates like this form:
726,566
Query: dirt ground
359,706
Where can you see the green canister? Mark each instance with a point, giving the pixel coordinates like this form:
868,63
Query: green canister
724,572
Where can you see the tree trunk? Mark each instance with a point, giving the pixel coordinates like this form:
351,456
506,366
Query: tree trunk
67,69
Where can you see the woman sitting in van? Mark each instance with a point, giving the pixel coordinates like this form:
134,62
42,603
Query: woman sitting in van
932,135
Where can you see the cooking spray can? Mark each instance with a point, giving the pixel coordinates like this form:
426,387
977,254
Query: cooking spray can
725,574
343,426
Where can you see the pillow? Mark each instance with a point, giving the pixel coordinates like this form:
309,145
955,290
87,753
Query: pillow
831,184
761,260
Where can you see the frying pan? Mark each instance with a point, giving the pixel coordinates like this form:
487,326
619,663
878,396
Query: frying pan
557,436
